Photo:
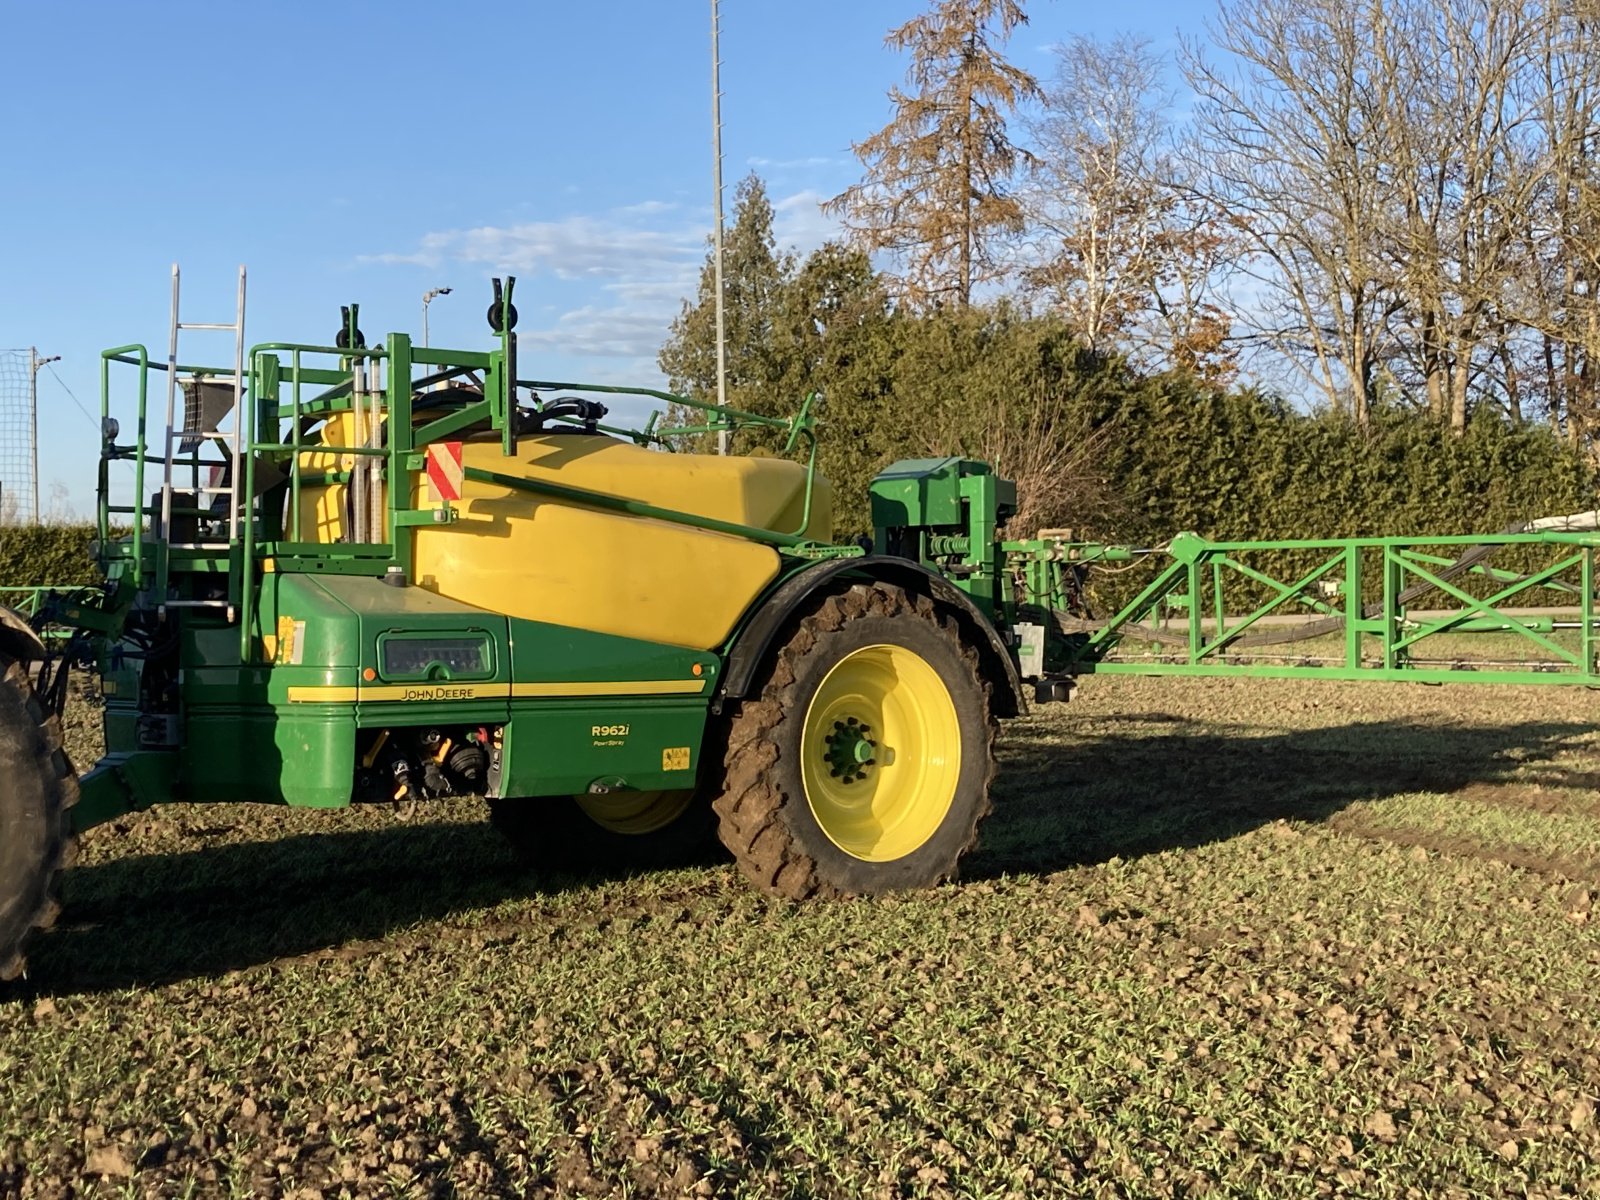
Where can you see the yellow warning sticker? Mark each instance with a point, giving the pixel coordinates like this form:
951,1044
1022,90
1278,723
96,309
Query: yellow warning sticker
290,648
675,758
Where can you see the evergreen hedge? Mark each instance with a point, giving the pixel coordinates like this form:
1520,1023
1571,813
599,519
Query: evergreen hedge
31,555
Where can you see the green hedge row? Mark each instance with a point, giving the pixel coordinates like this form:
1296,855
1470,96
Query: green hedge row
1238,466
31,555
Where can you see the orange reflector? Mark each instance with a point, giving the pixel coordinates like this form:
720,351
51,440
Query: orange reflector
369,674
697,669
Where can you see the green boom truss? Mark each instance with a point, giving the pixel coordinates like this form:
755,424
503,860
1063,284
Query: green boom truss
1356,608
1352,608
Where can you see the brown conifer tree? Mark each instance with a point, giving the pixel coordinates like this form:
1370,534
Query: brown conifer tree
935,192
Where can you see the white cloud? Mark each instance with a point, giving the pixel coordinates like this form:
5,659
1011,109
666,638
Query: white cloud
655,291
799,223
576,247
648,207
617,279
597,332
793,164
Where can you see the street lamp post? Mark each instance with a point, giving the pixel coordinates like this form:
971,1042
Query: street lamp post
427,299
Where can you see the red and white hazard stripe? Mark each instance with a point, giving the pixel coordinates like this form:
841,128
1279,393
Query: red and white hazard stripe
445,473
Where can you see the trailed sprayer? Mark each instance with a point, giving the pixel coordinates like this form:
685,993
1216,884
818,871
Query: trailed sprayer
351,573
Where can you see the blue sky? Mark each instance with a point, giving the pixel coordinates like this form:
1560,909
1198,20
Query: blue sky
366,152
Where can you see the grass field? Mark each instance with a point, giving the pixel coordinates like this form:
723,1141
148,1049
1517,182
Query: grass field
1222,938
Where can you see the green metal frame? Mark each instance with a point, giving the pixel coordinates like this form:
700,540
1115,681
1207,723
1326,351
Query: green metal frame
289,383
1205,606
1205,629
262,726
28,601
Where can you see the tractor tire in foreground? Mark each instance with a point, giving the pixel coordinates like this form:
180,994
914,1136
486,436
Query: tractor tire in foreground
864,764
632,831
37,786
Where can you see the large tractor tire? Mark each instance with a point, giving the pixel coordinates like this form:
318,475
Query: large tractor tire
623,829
37,786
864,764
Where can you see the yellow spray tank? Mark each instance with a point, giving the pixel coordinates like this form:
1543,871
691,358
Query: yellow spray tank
549,559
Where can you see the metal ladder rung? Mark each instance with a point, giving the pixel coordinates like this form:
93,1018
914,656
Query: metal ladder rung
219,604
229,438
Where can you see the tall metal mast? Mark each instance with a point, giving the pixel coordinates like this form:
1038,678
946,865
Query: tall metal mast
716,236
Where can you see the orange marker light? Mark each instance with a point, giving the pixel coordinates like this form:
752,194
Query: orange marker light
697,669
369,674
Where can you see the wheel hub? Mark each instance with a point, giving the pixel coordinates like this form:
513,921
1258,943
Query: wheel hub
880,756
850,751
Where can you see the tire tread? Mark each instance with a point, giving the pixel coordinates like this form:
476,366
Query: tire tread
61,848
751,805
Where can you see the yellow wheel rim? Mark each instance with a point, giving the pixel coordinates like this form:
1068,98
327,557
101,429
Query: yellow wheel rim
880,753
630,812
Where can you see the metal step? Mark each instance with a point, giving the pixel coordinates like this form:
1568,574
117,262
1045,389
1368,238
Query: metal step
219,604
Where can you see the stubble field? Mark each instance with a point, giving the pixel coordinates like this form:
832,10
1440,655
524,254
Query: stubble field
1222,938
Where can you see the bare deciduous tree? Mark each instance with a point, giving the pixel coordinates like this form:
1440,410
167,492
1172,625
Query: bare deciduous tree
1296,124
1556,296
1418,184
1468,158
1095,203
1119,241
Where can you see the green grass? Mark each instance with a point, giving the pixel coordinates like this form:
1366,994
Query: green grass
1231,937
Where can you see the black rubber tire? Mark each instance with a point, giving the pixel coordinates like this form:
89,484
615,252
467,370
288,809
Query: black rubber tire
765,820
37,787
553,832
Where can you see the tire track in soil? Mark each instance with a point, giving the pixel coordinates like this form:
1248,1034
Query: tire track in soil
1577,868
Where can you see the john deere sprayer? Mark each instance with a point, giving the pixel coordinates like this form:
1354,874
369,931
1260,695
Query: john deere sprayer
349,573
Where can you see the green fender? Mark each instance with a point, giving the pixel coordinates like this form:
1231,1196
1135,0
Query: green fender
771,614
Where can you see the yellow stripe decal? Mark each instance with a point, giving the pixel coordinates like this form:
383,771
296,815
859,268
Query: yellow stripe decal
494,691
627,687
321,695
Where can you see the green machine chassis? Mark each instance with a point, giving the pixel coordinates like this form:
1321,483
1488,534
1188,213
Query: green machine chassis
271,668
259,665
